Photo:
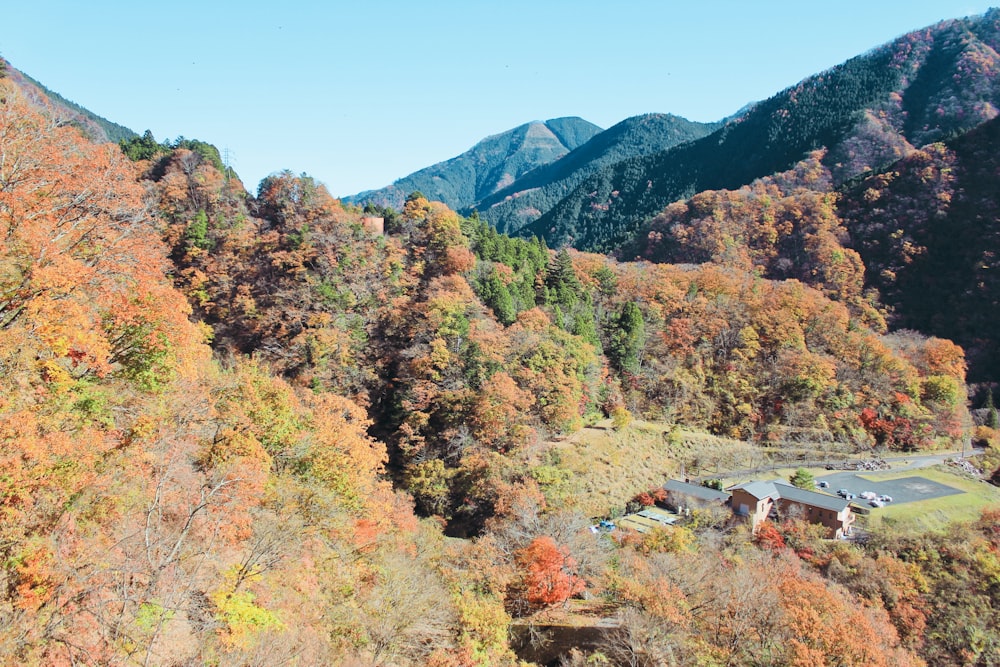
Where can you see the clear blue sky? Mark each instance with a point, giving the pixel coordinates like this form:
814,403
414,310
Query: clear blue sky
360,93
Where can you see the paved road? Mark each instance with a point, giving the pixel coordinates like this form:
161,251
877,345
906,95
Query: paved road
913,462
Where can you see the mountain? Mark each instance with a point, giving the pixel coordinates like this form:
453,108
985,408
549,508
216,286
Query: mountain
259,501
510,208
869,111
490,165
928,231
96,127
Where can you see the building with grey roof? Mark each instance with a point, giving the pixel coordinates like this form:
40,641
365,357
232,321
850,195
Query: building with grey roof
759,501
703,493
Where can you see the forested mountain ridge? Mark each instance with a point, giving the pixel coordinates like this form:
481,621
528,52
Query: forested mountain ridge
867,112
490,165
510,208
917,233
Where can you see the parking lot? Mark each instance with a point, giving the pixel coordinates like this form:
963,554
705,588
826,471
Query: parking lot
902,490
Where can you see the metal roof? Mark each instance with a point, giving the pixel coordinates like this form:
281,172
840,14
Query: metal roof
758,490
695,491
814,498
657,514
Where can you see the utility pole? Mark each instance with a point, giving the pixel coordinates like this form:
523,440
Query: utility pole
227,156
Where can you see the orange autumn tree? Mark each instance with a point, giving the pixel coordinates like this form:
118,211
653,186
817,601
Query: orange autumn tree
75,232
99,401
548,573
83,299
827,629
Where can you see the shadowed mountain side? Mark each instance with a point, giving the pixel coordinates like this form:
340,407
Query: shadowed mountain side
523,201
928,230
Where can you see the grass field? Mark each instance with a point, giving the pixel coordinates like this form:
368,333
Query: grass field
938,513
606,468
598,469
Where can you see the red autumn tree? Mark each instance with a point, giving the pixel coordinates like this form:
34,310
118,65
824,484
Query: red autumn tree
768,537
549,573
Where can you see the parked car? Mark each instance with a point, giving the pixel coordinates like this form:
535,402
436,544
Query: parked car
875,502
885,499
868,495
823,485
843,493
850,496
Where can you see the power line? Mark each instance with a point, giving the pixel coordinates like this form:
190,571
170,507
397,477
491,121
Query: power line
227,157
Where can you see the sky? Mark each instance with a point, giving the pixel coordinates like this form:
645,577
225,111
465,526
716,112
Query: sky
358,94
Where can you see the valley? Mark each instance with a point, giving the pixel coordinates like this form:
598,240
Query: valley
270,426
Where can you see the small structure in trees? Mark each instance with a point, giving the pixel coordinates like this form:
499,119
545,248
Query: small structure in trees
682,496
374,224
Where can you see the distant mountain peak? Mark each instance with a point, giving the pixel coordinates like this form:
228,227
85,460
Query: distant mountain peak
519,203
493,163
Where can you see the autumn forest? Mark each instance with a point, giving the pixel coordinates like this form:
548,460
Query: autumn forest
278,428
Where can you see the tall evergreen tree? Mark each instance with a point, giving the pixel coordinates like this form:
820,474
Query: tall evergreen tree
584,325
992,419
560,278
626,337
497,296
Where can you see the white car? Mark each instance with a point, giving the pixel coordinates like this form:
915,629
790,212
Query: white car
867,495
885,499
876,503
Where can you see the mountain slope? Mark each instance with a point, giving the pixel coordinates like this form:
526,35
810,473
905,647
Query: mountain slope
536,192
928,231
868,112
493,163
96,127
523,201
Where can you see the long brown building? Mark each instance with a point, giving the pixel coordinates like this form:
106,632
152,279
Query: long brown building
760,500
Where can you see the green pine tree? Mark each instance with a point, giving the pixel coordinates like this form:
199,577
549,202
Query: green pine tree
992,419
626,338
803,479
497,296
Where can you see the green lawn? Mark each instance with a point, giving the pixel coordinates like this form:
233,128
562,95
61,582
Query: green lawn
937,513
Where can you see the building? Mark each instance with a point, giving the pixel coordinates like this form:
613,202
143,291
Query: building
754,500
374,224
682,496
759,501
